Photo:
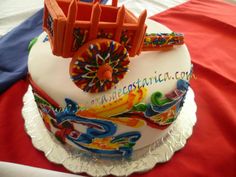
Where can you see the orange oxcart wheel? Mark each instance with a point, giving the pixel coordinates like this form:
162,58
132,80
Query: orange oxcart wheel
98,65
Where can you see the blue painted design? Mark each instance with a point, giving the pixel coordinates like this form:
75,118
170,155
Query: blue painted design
182,85
127,139
45,39
158,109
96,129
70,109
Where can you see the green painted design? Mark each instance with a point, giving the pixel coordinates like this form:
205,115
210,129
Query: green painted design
157,98
140,107
129,145
39,100
32,42
170,120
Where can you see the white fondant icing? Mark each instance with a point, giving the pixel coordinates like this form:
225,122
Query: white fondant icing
51,73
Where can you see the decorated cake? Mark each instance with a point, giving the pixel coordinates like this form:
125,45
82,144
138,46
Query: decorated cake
106,82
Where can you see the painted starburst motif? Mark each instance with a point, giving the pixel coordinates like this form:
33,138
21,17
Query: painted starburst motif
100,66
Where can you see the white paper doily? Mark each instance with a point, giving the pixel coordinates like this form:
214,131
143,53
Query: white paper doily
160,151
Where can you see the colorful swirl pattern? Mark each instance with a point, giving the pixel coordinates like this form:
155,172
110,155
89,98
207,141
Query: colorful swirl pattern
99,136
102,122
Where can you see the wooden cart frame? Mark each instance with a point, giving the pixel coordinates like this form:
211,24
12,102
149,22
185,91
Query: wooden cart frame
64,18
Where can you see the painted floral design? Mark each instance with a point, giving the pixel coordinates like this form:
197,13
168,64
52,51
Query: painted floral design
163,39
164,109
80,35
126,38
50,24
105,34
102,65
100,136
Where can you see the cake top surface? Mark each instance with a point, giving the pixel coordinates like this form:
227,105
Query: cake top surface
149,69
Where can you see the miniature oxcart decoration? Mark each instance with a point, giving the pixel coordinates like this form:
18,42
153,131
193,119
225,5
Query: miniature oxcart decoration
100,38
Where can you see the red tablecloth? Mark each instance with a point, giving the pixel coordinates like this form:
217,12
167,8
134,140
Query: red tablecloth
210,33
